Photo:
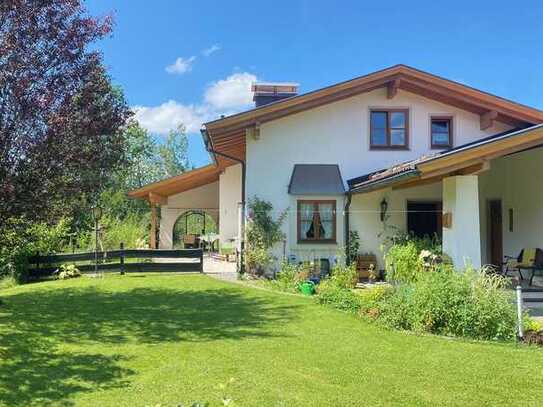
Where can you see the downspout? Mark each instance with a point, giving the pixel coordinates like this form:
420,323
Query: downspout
209,148
347,224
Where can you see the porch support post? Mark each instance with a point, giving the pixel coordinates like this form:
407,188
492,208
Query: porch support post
462,239
152,237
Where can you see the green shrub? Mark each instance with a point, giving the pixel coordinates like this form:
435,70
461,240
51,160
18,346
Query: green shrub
395,310
440,301
66,271
338,297
530,324
351,251
337,289
21,239
344,276
468,304
132,231
7,282
290,276
370,298
262,234
408,257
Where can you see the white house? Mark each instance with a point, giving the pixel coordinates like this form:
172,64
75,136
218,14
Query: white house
396,148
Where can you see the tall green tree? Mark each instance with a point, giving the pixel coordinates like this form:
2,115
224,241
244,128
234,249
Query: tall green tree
174,153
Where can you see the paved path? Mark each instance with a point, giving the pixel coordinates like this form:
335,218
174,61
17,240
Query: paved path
222,270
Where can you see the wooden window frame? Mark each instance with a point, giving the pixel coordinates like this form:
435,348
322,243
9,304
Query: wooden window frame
315,203
388,146
441,118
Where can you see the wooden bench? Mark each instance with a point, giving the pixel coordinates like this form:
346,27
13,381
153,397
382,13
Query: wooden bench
364,263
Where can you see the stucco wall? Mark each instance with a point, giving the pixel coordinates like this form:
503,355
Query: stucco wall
516,180
462,240
229,203
205,198
365,214
338,133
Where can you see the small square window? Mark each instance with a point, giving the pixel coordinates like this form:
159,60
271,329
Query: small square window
389,129
441,132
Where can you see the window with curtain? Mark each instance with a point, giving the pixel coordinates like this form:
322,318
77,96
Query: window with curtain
317,221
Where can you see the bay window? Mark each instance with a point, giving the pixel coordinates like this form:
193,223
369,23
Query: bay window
316,221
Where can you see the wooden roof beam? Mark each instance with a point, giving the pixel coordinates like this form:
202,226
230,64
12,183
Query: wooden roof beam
392,88
155,198
488,118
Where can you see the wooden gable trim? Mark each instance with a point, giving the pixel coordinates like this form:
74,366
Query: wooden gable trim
392,88
396,77
158,192
487,119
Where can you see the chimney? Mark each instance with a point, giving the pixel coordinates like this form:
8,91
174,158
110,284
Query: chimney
268,92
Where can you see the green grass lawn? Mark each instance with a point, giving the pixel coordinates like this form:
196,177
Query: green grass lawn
143,340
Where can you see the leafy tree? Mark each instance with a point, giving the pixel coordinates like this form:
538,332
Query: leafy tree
61,119
174,152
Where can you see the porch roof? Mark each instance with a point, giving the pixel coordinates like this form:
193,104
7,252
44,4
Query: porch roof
157,192
470,158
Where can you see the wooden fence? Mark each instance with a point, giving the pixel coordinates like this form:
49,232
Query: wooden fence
114,260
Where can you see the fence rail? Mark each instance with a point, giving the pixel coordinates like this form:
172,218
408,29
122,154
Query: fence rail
43,266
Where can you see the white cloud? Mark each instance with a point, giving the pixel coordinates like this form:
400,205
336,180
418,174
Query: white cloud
181,65
233,92
226,96
167,116
208,51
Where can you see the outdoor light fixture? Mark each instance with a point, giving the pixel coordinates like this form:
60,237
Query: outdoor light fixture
384,208
97,212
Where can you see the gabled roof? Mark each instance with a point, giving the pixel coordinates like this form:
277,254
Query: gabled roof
157,192
462,160
228,134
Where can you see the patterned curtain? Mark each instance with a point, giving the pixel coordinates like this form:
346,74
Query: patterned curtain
326,213
306,221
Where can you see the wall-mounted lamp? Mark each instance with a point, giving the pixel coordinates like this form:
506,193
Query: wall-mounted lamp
384,208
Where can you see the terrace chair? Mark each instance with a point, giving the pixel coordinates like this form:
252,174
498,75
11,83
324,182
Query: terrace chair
530,259
190,241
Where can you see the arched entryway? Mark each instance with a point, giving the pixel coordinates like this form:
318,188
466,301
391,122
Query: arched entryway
194,228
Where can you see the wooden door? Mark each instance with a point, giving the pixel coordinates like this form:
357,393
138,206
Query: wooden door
495,232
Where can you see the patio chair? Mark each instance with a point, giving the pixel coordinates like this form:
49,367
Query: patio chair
530,259
191,241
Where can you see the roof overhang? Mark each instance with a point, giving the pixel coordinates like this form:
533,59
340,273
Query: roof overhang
316,179
158,192
228,134
472,158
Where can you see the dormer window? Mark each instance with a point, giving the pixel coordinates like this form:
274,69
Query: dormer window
389,129
441,132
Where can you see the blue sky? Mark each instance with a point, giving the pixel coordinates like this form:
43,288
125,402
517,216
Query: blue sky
190,61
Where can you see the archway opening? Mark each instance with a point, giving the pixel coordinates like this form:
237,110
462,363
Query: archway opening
195,228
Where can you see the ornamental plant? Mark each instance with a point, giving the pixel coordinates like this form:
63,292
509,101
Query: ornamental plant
263,232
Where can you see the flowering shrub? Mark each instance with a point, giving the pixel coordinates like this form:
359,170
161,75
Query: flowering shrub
67,271
408,257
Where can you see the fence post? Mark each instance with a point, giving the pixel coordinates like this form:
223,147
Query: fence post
201,260
122,258
519,312
38,263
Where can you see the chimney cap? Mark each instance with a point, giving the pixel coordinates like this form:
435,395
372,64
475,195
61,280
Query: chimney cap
274,87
